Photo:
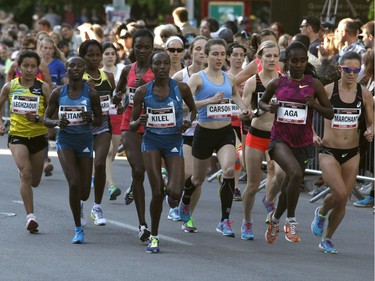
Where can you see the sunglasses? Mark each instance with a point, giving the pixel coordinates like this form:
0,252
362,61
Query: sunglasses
302,26
348,69
178,50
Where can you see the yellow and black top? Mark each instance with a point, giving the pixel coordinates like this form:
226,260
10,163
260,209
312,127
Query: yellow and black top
26,100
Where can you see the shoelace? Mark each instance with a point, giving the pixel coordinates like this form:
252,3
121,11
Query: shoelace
293,228
247,228
321,221
329,244
273,230
99,213
227,225
154,242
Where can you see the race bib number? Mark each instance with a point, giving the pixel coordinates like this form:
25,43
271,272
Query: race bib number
130,92
235,109
292,112
161,117
105,102
25,104
345,118
220,110
73,114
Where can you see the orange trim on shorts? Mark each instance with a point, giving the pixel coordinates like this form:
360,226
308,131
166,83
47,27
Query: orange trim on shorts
257,142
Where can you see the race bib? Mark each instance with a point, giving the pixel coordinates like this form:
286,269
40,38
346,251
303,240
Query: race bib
345,118
292,112
161,117
220,110
130,92
25,104
73,114
105,102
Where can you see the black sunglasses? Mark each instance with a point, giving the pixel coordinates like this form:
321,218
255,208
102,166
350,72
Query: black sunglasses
178,50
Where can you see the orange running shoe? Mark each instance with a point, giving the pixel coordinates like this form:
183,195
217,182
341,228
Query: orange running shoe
291,233
272,231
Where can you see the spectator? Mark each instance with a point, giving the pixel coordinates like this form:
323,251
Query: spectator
367,35
45,25
278,29
310,26
181,19
73,39
207,26
304,39
223,33
347,33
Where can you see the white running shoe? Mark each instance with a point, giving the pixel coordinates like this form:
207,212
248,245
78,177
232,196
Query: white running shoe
97,216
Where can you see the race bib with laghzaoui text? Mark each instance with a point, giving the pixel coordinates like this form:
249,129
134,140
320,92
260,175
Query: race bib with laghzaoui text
292,112
25,104
220,110
345,118
105,102
73,114
130,92
161,117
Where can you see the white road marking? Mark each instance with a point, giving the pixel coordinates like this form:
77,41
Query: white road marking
163,237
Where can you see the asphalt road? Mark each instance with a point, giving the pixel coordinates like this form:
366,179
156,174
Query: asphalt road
113,252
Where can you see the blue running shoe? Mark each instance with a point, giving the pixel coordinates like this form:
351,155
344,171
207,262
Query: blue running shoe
184,212
247,231
79,236
153,245
367,202
174,214
225,228
327,246
317,226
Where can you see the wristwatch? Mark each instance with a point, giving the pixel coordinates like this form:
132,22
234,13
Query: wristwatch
37,118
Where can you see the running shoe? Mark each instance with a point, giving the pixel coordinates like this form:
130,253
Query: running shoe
327,246
269,205
189,226
144,233
225,228
171,202
153,245
237,196
272,231
164,176
291,233
247,231
97,216
83,219
48,168
79,236
32,224
367,202
174,214
113,192
184,212
317,226
129,196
